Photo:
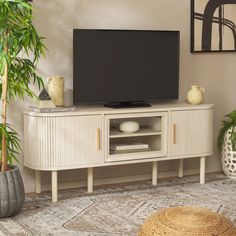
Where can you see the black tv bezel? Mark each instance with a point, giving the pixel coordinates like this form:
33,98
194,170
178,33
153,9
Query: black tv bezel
129,100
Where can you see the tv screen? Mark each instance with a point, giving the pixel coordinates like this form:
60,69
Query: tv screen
125,66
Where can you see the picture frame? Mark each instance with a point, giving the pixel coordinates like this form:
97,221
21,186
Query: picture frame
213,26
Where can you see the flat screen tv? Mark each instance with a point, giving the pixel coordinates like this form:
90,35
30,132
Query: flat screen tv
125,66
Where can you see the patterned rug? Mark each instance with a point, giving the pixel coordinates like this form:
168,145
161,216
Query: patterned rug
119,209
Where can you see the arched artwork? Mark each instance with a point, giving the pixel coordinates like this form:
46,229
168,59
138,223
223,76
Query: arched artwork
213,26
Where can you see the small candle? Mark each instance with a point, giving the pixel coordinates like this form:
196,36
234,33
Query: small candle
56,90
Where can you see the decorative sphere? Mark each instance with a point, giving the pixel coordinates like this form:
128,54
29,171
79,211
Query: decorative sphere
129,126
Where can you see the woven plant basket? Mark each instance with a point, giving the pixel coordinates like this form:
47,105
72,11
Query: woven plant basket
187,221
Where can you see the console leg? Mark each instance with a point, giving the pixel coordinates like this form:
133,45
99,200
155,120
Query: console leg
54,186
38,188
181,168
154,173
202,170
90,180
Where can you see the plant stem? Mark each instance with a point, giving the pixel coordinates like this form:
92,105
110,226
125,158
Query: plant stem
4,114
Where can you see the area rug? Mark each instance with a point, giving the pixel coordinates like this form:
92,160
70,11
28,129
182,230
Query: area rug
119,209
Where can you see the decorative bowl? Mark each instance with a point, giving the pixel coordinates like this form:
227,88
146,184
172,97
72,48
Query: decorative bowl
129,126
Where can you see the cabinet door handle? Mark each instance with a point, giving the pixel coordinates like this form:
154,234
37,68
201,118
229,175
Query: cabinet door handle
174,133
98,139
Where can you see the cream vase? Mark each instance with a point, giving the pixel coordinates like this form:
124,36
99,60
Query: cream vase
56,90
195,95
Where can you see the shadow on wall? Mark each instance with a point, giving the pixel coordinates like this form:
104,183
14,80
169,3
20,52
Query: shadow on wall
56,20
53,22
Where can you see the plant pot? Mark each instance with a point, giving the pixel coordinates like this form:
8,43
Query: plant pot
12,192
229,157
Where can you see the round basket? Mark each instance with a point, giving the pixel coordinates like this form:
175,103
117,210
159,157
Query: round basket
187,221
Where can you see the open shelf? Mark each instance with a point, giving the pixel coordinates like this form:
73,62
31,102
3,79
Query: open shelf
150,134
153,142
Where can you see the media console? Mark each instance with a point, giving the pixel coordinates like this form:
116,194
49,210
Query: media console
82,138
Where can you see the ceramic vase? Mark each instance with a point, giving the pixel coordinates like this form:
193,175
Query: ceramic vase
195,95
228,156
56,90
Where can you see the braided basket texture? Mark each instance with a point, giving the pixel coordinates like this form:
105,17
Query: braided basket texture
187,221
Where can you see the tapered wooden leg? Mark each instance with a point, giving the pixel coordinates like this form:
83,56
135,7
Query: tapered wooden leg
181,168
54,186
90,180
154,173
202,170
38,188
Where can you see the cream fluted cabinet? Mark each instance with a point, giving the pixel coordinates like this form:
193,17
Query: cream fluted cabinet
84,138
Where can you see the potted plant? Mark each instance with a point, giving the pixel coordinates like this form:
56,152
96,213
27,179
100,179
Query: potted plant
20,49
227,144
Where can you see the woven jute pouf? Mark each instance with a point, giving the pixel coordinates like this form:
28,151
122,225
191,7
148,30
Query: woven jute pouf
187,221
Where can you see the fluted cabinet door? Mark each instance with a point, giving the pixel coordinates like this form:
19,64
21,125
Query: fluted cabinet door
63,142
191,132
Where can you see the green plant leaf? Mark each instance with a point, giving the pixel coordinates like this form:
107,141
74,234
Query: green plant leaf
13,143
20,48
228,124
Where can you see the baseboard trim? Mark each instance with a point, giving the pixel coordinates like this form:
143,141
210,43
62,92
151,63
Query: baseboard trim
114,180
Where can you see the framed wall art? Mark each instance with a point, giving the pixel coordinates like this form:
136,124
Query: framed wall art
213,25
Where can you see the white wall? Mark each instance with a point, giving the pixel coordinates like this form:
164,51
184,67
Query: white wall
55,19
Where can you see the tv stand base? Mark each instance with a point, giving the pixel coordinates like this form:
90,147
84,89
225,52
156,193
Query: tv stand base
126,105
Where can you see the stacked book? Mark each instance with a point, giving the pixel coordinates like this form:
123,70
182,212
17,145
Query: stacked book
129,148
